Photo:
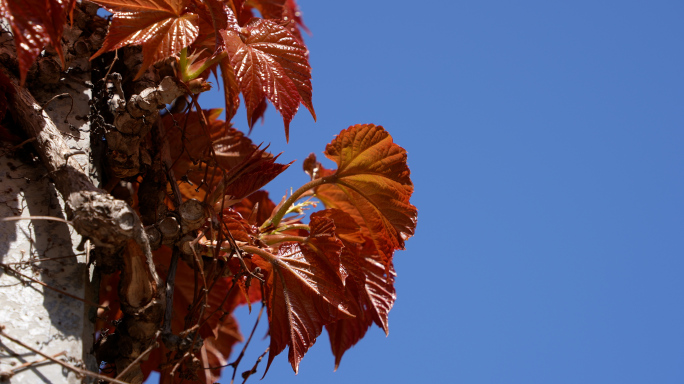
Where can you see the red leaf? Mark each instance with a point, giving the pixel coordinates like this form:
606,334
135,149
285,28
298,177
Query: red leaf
269,62
345,227
292,13
231,91
372,184
303,293
255,171
286,12
163,27
269,9
325,243
373,293
35,23
256,208
239,228
238,169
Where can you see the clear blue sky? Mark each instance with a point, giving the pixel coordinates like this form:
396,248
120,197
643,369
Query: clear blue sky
546,143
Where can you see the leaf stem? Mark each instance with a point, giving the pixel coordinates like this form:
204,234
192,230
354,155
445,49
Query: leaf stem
275,239
183,62
293,198
293,226
260,252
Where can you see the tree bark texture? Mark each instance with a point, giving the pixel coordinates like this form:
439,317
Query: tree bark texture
68,118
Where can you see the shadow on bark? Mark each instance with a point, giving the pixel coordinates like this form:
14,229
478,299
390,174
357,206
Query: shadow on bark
34,313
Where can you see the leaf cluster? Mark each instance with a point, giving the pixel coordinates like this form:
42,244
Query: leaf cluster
334,272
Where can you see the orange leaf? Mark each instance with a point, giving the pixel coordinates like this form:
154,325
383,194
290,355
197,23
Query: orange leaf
372,183
369,285
163,27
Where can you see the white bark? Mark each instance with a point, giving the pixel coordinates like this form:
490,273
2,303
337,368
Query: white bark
38,316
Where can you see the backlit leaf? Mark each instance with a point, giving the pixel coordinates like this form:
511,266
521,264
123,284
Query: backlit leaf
269,9
325,243
269,62
372,291
303,293
163,27
372,183
293,16
236,167
35,23
256,208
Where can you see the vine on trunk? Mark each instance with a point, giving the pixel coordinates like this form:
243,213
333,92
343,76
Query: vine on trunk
183,231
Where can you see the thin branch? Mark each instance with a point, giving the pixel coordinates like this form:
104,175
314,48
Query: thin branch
45,259
63,364
59,97
170,284
17,218
258,251
14,370
293,198
293,226
236,363
275,239
138,359
220,307
252,371
178,364
116,56
32,139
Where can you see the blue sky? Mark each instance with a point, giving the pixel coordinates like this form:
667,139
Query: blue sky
545,141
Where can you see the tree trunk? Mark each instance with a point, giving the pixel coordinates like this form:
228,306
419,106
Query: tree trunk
49,280
43,318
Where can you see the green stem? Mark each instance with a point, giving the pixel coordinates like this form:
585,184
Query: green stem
293,198
275,239
183,62
207,64
293,226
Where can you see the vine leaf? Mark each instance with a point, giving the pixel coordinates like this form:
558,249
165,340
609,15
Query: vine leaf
372,183
269,9
303,293
325,243
256,208
371,285
163,27
239,228
286,11
238,169
35,23
269,62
